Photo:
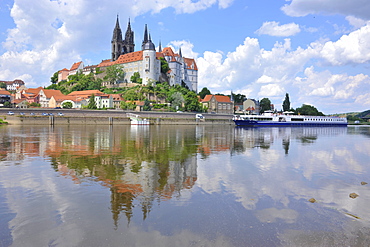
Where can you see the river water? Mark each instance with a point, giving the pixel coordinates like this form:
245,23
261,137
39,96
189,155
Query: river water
184,186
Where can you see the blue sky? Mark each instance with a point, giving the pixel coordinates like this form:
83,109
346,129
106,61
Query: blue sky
318,51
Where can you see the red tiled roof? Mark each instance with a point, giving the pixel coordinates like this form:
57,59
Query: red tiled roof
219,98
189,62
130,57
86,93
105,63
51,92
60,98
4,92
75,66
207,98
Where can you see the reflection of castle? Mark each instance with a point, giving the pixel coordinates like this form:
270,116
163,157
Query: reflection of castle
138,166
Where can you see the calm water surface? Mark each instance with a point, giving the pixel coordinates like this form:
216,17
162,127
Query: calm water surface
184,186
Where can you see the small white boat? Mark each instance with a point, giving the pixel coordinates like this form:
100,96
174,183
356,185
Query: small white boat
137,120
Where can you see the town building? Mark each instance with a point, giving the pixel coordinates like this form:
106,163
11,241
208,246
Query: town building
183,71
13,85
102,100
218,104
251,106
4,97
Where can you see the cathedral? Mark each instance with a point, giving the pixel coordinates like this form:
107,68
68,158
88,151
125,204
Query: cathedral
146,61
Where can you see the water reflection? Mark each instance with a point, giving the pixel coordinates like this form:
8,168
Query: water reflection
164,185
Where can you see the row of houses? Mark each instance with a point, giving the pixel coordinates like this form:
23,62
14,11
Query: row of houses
49,98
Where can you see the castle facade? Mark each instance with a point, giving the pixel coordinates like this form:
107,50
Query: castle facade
146,62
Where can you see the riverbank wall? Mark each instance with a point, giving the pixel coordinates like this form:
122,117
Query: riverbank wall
85,120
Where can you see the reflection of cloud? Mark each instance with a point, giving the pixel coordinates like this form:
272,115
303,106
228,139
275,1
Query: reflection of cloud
270,215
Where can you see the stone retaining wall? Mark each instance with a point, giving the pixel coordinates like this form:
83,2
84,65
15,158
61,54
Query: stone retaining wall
56,120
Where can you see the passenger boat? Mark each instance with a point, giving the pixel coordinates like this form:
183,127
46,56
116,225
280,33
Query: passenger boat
286,119
137,120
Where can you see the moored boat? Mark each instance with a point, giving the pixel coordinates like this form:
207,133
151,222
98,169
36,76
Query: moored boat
271,119
137,120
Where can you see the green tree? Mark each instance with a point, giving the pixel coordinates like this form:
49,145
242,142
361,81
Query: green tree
54,78
177,99
147,106
67,105
265,105
308,110
34,104
92,103
135,78
127,105
191,102
239,98
132,94
286,103
7,104
114,74
164,65
2,85
205,91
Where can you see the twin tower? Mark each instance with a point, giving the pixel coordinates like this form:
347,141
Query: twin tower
120,46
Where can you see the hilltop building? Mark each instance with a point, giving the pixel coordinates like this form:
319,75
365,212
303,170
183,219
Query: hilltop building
146,62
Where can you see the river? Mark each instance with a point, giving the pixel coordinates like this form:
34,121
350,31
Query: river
184,186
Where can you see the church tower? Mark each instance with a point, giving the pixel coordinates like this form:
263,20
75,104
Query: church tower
128,43
117,42
151,65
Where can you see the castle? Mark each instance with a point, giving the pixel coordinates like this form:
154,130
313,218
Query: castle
183,71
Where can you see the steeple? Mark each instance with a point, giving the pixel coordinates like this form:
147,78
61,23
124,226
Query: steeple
145,40
160,47
117,42
117,33
128,43
148,45
180,52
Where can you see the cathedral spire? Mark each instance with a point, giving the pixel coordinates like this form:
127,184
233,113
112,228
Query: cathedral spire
117,42
117,33
145,40
128,43
160,46
180,53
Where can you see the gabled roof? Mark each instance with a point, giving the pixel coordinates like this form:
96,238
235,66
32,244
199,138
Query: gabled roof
32,90
75,66
218,98
51,92
60,98
190,63
116,96
63,70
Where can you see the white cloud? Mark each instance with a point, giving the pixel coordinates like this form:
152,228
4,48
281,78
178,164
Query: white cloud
186,48
351,48
258,73
271,90
356,8
273,28
186,6
355,22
